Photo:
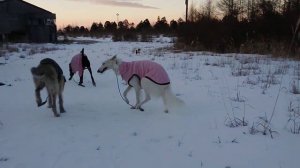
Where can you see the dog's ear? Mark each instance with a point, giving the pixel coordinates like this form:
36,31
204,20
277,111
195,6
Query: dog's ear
114,57
82,51
33,70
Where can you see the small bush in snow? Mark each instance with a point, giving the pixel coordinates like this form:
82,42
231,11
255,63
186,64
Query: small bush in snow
206,62
12,49
146,38
262,126
294,88
240,72
235,122
252,80
281,69
238,97
297,72
4,49
4,159
294,119
37,50
269,79
219,63
246,59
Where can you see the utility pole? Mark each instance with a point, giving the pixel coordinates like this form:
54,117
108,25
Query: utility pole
186,10
117,18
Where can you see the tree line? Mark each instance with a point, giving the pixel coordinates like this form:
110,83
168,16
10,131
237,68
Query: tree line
124,30
248,26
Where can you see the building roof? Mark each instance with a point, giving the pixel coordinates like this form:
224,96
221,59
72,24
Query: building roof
17,15
39,9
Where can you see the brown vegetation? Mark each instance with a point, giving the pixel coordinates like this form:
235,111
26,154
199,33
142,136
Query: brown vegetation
249,26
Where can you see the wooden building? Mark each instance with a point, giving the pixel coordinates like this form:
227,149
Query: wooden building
23,22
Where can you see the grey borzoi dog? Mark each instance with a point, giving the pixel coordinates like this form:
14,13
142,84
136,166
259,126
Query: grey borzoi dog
48,74
146,75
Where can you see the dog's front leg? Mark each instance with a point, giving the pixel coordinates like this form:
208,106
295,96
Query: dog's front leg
39,86
61,106
125,94
38,96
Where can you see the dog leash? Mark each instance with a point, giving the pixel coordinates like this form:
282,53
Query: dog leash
132,107
121,93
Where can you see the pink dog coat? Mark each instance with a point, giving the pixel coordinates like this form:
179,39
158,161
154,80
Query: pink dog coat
76,64
144,69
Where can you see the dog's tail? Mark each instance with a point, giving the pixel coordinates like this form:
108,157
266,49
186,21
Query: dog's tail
36,75
171,100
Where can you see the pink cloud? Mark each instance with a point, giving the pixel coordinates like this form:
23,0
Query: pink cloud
121,3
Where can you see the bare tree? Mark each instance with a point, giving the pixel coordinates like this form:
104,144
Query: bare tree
297,29
231,8
193,13
251,10
208,9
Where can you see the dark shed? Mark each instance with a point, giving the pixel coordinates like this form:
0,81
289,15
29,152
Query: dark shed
22,21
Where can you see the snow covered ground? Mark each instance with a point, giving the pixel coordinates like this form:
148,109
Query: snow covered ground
100,130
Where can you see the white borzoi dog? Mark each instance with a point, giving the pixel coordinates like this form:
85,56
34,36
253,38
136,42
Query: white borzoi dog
146,75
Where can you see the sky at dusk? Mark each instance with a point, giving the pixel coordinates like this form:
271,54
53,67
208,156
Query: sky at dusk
85,12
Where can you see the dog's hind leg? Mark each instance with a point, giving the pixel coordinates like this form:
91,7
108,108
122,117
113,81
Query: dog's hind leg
50,104
165,103
135,83
54,105
61,107
60,96
147,98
